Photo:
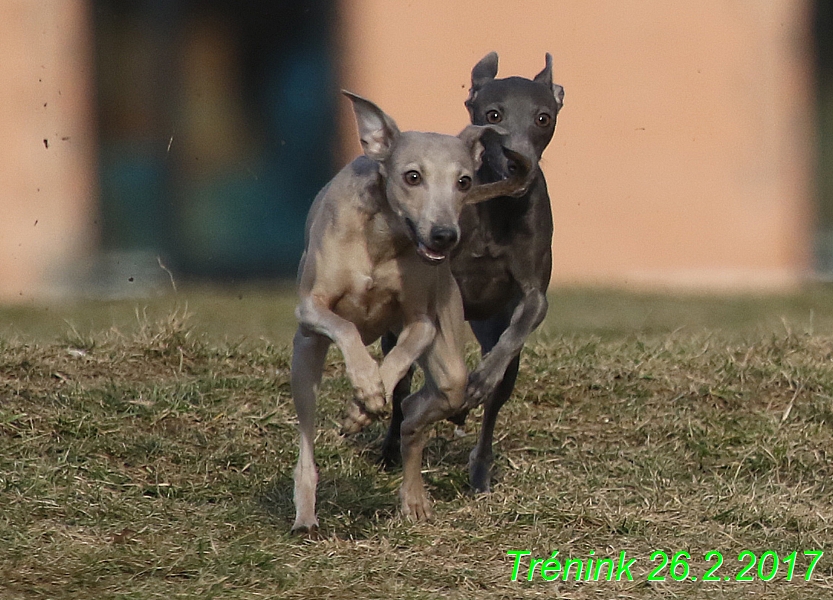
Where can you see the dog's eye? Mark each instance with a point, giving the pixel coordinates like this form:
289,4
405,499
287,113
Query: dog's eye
493,116
413,178
543,120
464,183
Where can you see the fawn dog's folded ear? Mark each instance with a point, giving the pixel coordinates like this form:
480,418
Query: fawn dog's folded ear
476,136
515,185
377,131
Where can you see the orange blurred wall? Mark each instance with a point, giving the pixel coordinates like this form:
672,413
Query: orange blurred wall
682,157
47,161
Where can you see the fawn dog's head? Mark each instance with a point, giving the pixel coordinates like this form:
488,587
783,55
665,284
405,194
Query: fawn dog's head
429,177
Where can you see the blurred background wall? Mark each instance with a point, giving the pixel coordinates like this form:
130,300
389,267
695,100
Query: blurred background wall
695,148
683,155
48,198
216,130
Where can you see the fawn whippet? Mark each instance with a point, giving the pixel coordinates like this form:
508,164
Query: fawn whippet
377,239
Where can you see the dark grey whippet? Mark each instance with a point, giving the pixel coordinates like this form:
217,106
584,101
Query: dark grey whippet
503,261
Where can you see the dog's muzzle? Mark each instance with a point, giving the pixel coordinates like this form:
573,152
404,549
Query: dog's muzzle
440,242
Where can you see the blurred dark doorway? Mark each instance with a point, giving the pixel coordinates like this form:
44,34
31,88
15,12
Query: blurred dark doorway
216,127
823,39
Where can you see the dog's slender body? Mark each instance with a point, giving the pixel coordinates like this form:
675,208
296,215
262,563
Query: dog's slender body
376,242
504,259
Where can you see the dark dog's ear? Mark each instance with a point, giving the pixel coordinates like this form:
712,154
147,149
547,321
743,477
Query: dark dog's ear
377,131
475,136
545,77
482,73
558,92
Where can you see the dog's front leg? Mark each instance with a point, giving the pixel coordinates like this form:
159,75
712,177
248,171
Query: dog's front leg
361,369
527,315
411,343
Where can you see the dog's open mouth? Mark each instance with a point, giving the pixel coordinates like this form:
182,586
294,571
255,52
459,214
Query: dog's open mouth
429,255
432,256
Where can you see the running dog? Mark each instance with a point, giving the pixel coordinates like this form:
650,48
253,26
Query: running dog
377,241
504,259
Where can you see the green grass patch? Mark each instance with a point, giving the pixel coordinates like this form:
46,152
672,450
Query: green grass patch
152,456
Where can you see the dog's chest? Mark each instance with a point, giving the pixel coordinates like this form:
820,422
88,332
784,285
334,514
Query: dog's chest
372,300
496,252
483,247
490,234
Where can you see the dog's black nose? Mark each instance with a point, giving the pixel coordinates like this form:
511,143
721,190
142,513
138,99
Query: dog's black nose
443,238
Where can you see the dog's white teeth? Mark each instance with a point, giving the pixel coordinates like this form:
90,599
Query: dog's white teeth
429,254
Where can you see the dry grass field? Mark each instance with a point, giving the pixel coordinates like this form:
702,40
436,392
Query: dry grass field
146,451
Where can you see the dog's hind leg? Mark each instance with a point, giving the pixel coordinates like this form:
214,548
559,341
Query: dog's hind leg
390,455
309,353
442,396
397,370
428,405
417,409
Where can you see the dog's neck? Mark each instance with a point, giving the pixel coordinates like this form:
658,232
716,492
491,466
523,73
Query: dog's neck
499,219
487,174
387,236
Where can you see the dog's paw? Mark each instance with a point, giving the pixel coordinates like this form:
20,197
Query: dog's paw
368,388
480,386
305,527
356,419
416,506
307,532
374,402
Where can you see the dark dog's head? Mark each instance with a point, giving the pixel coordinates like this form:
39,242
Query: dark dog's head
525,108
428,177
